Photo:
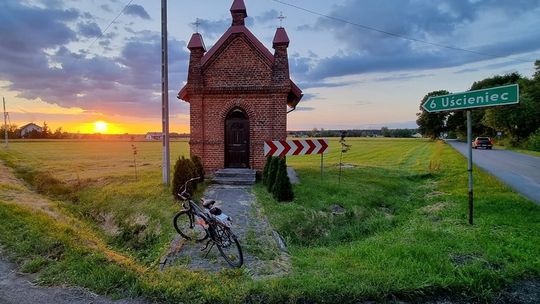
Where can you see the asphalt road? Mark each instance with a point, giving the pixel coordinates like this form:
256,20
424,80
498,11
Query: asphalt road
517,170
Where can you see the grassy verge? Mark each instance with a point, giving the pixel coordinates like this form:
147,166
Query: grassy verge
404,231
528,152
59,254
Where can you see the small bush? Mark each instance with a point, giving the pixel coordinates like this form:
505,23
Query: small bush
51,186
272,173
282,189
533,143
265,170
198,166
184,169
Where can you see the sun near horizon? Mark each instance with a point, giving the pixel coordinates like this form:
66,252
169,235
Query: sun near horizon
101,126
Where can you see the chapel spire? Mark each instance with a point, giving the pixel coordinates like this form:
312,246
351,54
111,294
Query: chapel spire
238,12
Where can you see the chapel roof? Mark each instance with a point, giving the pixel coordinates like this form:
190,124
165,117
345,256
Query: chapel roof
238,10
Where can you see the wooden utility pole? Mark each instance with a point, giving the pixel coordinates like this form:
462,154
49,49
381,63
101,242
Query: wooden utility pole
165,94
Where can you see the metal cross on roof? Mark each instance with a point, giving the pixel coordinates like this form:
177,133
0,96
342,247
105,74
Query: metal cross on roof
197,23
281,18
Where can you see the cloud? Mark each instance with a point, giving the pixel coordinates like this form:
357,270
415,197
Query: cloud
106,8
304,109
37,63
89,30
24,29
493,27
215,28
137,10
268,16
402,77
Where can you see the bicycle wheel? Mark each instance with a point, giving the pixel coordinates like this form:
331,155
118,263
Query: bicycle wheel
228,246
186,225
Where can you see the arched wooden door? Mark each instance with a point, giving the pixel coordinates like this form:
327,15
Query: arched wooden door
237,139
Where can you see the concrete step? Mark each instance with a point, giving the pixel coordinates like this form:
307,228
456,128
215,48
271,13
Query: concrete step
233,181
248,173
235,177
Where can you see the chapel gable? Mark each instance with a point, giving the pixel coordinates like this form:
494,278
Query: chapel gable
238,63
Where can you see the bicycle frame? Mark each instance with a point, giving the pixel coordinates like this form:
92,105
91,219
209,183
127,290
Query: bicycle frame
218,232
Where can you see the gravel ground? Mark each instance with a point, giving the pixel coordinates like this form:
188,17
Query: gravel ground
16,288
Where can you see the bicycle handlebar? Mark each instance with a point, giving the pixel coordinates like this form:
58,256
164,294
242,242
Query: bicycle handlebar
181,194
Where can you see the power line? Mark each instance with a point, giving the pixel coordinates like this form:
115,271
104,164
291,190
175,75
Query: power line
365,27
109,25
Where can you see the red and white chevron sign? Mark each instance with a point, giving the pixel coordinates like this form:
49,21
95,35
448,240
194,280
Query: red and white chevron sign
284,148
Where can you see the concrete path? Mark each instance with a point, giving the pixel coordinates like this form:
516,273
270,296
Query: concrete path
16,288
519,171
262,257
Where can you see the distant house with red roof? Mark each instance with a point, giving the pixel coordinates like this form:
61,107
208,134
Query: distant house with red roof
238,93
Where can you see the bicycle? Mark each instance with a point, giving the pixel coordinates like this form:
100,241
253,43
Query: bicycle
197,224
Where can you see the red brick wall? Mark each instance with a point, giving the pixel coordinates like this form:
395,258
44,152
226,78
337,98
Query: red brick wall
239,64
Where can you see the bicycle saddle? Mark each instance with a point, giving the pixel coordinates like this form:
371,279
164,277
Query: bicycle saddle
215,211
208,204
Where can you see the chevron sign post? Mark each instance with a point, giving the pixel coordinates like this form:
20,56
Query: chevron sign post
282,148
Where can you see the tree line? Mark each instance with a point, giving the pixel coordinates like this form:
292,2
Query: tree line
384,131
15,133
519,124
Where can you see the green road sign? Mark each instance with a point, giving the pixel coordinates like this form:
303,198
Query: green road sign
498,96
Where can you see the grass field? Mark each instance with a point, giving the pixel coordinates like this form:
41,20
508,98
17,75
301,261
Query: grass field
404,232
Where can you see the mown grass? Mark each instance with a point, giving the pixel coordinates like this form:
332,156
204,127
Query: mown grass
404,232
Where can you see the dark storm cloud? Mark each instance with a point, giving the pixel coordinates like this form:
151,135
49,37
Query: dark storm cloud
36,62
437,21
25,29
136,10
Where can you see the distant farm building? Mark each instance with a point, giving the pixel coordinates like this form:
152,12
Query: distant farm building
29,128
238,93
151,136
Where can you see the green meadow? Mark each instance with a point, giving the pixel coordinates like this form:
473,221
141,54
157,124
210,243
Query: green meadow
77,213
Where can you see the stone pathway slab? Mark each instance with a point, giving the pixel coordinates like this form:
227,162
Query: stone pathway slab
262,256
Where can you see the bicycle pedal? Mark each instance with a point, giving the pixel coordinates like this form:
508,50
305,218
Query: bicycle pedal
206,255
206,246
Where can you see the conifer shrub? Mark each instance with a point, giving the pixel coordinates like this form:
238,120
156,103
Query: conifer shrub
272,173
533,142
265,170
282,190
184,169
197,161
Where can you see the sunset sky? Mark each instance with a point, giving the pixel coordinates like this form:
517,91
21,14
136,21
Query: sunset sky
54,69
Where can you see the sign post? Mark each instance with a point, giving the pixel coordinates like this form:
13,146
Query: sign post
470,166
284,148
497,96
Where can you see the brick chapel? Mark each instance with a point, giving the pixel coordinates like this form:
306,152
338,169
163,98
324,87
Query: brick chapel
239,95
